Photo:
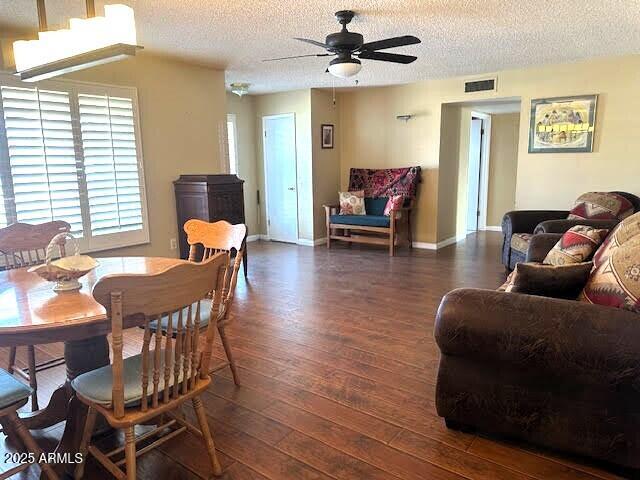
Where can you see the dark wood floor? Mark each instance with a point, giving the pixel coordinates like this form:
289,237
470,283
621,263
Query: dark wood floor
338,366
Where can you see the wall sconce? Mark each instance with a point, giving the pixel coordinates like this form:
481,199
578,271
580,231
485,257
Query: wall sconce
406,118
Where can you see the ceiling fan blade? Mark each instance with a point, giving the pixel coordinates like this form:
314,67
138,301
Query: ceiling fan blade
312,42
391,43
297,56
387,57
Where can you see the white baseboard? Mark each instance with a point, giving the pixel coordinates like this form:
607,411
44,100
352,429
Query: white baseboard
439,245
253,238
312,243
493,228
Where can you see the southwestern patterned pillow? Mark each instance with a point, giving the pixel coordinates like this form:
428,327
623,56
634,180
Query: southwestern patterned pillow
352,203
616,283
624,231
394,202
601,206
576,245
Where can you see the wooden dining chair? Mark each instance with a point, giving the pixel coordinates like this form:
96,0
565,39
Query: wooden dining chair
13,395
155,383
24,245
205,240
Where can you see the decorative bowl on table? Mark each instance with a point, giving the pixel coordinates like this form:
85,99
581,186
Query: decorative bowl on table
66,270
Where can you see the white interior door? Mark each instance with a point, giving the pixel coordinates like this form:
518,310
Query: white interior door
475,152
279,134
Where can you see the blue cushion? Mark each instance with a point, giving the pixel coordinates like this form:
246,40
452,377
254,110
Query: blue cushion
205,314
375,206
364,220
97,385
11,390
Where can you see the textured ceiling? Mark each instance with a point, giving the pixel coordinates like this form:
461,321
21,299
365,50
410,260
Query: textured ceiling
459,37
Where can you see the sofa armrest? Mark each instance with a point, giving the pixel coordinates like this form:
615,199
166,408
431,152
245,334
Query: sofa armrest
525,221
540,246
581,342
561,226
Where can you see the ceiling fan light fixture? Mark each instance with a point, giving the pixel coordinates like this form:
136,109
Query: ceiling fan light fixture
345,67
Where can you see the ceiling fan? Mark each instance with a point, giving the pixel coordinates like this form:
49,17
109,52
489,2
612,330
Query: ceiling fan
346,45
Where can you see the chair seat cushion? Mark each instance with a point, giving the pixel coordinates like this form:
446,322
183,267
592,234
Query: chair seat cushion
97,385
205,315
362,220
11,390
520,242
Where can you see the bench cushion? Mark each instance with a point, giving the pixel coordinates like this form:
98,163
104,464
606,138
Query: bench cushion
375,206
11,390
362,220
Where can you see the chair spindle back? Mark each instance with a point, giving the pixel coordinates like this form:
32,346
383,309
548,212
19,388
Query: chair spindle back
24,244
218,237
173,367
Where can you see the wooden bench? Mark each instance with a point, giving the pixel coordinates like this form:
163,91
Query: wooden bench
371,229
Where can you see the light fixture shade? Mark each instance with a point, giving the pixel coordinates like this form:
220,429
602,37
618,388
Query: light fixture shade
240,89
344,68
84,35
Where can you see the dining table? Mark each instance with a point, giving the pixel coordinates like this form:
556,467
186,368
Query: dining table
31,313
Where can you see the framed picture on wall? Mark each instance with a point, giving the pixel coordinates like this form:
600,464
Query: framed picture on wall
562,124
327,136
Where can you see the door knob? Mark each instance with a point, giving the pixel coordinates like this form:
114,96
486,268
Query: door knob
291,188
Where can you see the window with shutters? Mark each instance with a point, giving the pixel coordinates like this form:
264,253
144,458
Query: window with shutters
71,151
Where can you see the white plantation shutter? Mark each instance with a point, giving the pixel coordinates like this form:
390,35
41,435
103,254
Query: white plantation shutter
3,214
41,156
71,151
111,164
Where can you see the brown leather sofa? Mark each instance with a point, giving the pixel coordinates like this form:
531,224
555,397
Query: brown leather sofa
556,373
525,223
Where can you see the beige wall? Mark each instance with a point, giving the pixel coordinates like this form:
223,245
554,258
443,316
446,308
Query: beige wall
326,161
297,102
182,120
372,137
449,169
503,166
245,112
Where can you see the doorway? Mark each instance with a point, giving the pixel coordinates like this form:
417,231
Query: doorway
281,201
476,185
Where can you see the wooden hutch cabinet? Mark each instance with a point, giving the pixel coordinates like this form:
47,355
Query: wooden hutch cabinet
209,198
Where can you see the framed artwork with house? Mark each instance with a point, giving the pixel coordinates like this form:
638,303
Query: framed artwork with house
326,136
562,124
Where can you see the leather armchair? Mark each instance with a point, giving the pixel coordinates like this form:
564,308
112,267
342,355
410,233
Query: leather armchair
545,221
556,373
523,221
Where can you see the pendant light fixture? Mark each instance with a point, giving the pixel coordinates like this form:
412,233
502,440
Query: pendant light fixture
86,43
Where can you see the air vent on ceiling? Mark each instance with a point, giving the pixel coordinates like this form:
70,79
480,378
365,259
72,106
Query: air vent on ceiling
484,85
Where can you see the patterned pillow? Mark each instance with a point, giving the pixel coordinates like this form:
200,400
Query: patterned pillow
352,203
624,231
576,245
616,283
601,206
395,202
